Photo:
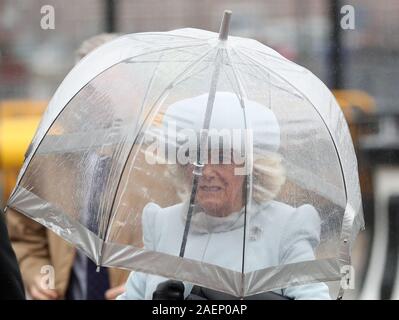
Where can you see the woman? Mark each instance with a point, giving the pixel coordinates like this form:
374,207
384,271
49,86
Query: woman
277,233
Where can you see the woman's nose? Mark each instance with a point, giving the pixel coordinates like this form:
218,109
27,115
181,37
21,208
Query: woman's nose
208,172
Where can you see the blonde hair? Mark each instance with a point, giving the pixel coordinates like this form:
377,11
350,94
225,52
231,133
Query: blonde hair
269,176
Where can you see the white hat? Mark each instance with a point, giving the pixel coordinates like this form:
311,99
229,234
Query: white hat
227,114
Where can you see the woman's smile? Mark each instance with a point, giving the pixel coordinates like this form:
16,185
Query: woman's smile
210,189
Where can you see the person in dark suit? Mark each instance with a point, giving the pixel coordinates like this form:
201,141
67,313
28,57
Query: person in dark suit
11,287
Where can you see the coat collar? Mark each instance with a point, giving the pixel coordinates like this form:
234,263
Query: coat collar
202,223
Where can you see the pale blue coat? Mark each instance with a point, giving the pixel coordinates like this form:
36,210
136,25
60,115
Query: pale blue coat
277,234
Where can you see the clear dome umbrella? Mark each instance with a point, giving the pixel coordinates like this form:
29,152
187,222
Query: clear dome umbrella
200,157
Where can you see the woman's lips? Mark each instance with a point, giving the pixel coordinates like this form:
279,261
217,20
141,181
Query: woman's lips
210,188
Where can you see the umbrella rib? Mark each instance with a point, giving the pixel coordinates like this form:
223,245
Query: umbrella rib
149,86
151,112
170,33
182,49
279,58
203,140
150,83
132,59
181,45
248,175
252,67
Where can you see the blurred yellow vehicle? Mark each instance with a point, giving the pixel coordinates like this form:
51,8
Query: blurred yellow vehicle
18,122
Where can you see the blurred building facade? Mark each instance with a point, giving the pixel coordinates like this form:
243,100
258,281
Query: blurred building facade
34,61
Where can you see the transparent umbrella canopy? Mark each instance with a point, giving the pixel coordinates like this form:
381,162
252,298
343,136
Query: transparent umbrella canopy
108,172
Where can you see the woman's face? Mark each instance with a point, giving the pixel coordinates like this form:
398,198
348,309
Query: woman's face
220,190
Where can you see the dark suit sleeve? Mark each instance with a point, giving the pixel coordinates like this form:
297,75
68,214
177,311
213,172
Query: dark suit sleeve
11,287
